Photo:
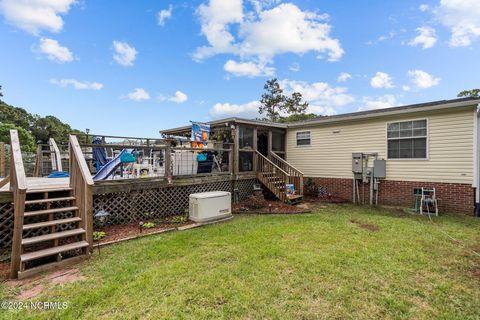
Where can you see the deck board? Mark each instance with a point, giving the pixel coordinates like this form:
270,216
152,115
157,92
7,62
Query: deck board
42,184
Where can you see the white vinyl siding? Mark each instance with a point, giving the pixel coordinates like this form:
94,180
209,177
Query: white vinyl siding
450,147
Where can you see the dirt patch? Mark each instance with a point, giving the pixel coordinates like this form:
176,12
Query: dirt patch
31,287
366,226
270,207
30,293
123,231
326,198
64,276
475,272
4,270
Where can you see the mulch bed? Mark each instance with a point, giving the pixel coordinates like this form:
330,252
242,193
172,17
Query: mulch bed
124,231
272,207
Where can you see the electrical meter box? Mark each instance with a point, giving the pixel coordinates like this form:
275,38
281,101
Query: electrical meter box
357,163
379,169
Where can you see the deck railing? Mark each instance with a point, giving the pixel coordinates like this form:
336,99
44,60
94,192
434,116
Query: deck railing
295,175
18,187
50,157
81,183
163,160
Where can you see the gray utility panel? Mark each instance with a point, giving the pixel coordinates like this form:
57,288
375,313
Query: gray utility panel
379,169
357,162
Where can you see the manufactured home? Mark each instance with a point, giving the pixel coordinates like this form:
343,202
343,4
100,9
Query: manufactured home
428,145
378,157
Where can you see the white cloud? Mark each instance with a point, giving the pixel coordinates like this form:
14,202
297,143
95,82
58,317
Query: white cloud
138,94
249,69
263,33
124,53
423,7
164,15
463,19
344,76
77,85
54,51
422,79
179,97
386,101
295,67
248,110
36,15
381,80
322,98
426,38
406,88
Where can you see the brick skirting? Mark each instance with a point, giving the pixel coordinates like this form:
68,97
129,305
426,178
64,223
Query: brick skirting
452,197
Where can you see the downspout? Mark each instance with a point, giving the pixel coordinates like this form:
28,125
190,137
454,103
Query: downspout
476,162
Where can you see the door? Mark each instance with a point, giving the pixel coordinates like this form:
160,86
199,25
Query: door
262,142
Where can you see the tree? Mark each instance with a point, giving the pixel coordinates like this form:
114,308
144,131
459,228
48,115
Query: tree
474,93
299,117
294,104
51,127
273,100
27,141
1,94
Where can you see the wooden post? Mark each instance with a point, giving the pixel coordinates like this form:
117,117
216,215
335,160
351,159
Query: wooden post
81,183
255,148
236,134
168,163
2,159
18,186
270,139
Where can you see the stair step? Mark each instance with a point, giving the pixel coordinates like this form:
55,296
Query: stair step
50,223
49,200
53,265
47,189
51,251
48,211
53,236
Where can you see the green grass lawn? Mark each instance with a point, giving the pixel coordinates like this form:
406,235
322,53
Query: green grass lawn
318,265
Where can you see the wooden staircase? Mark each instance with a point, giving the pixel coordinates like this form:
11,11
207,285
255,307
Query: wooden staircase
59,235
274,173
52,226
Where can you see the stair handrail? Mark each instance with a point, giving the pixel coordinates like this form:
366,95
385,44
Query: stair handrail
56,157
277,157
296,176
18,187
81,183
273,164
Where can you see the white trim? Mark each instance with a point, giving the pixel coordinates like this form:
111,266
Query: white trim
476,150
427,137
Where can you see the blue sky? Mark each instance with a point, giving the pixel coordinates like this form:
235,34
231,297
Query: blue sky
135,67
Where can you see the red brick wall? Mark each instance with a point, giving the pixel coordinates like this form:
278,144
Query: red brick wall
452,197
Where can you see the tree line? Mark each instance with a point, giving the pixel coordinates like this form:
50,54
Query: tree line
32,128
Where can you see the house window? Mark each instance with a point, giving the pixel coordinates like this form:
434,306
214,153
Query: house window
245,138
407,139
303,138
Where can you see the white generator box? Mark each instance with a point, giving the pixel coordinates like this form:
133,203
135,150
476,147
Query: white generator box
210,206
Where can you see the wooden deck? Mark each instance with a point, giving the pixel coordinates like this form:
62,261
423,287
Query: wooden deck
35,184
